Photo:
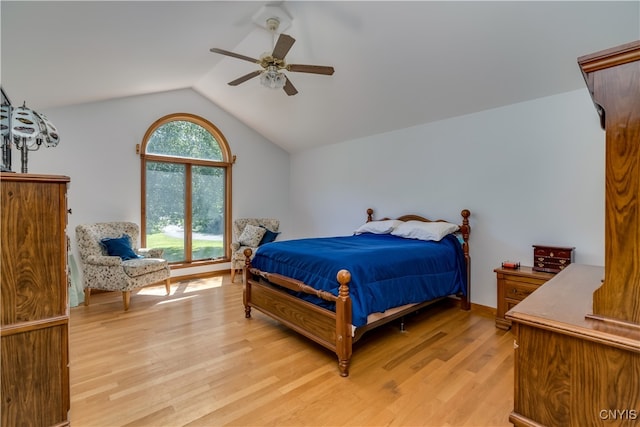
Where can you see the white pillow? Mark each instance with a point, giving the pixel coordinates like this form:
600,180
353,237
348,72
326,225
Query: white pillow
379,227
251,236
425,230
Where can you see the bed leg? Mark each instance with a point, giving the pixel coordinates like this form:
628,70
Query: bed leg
402,324
343,365
246,295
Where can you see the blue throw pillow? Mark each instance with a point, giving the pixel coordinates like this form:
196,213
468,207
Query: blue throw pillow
120,246
269,236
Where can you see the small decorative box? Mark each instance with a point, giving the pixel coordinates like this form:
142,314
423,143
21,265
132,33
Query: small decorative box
552,259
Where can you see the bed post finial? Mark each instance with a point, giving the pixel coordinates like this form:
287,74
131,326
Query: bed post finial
465,229
247,256
247,264
369,215
344,277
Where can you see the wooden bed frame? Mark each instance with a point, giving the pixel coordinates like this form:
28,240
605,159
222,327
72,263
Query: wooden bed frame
332,330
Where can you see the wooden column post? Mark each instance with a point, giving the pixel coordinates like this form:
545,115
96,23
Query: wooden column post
613,79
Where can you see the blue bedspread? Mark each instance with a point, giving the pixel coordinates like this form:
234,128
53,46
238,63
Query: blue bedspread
386,271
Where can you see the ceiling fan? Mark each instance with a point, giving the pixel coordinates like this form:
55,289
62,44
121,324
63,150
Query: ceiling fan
273,63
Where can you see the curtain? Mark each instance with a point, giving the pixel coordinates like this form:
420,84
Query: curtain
76,292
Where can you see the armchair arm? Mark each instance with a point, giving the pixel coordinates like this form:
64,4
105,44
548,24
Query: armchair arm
150,252
235,246
104,260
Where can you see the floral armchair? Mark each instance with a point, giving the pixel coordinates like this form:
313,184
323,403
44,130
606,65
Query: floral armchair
111,260
250,233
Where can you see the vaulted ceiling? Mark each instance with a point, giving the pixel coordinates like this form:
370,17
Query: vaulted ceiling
397,64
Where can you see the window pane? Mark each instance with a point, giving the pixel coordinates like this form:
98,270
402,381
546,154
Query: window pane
208,200
181,138
165,184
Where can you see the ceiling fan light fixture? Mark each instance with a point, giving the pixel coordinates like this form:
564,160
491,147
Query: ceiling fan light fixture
272,78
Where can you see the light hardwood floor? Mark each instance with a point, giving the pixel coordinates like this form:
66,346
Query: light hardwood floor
192,359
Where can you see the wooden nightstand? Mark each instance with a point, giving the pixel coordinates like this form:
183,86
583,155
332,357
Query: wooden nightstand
514,285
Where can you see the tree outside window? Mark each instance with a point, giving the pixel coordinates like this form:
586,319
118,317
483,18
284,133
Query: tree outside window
186,182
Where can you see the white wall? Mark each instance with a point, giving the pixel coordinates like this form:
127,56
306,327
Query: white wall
531,173
97,150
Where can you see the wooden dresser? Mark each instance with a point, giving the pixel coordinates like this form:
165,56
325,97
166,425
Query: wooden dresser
577,345
571,370
35,312
514,285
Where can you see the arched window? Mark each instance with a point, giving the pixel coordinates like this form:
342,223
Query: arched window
186,190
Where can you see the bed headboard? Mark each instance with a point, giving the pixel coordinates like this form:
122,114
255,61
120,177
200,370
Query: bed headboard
465,228
464,231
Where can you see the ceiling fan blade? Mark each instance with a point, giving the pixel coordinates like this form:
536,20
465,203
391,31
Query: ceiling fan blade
315,69
244,78
283,45
234,55
289,88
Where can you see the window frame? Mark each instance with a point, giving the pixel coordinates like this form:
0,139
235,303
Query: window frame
227,162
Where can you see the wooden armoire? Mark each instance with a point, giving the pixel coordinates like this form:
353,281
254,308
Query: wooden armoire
34,323
577,338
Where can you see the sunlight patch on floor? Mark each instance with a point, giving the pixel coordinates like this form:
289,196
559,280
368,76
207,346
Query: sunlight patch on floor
183,287
198,285
153,290
176,299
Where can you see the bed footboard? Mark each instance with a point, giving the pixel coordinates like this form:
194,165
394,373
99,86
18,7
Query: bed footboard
329,329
